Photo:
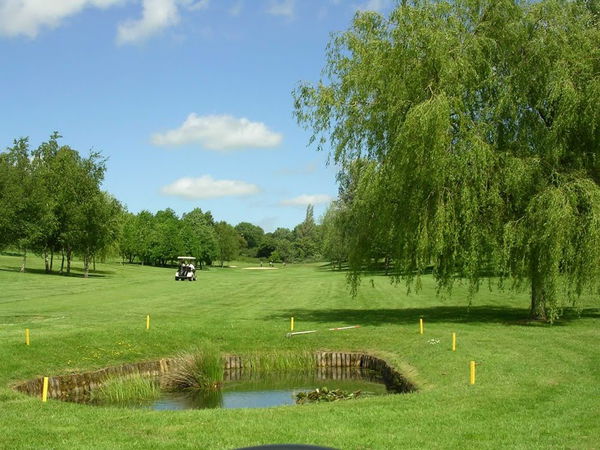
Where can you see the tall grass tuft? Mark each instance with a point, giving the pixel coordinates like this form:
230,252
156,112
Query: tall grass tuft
134,389
202,369
278,361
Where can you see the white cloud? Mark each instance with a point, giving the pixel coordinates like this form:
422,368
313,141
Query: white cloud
305,200
28,17
283,8
207,187
222,132
156,16
373,5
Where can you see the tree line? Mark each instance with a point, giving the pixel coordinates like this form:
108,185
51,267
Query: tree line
159,238
52,205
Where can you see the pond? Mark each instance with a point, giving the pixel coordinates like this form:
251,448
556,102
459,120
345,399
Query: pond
242,389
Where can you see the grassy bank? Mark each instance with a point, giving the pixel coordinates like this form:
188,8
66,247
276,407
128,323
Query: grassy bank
537,386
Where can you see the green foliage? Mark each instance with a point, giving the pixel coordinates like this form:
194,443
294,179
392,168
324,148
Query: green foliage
202,369
52,201
323,394
307,237
126,391
334,239
252,234
229,242
468,136
199,236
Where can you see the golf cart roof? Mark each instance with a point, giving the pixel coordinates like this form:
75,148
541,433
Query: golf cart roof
185,257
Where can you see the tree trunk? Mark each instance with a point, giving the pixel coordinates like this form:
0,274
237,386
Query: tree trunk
538,298
86,265
24,265
94,262
62,263
51,259
69,260
46,262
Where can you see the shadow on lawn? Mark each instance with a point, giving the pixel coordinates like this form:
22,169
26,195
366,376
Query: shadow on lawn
75,272
436,314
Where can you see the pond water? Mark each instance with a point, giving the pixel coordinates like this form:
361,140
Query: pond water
261,390
265,390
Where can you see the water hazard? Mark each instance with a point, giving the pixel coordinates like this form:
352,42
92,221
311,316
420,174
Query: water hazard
242,389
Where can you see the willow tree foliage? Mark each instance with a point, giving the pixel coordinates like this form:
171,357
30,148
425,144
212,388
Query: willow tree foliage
469,131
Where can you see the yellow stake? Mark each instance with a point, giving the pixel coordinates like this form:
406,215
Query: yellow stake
472,372
147,322
420,326
292,324
26,336
453,342
45,390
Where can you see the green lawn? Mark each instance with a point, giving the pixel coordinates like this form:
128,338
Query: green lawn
538,386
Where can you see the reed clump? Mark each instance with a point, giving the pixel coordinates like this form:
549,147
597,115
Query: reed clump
134,389
278,361
200,370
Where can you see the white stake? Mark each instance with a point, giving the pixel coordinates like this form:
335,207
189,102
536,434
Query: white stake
344,328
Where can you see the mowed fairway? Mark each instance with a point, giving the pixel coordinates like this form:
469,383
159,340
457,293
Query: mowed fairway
537,386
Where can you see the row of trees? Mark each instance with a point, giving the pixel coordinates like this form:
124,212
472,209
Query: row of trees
158,239
302,243
51,203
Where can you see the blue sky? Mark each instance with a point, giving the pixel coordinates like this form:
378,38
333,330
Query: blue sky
190,100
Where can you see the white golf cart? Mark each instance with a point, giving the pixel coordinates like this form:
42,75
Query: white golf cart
187,270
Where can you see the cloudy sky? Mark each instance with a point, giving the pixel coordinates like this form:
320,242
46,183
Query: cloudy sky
189,99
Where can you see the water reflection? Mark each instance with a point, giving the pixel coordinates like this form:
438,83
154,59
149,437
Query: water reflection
249,389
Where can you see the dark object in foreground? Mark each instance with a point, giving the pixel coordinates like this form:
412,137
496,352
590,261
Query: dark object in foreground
325,395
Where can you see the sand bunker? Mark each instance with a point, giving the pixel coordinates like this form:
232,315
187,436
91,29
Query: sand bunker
261,268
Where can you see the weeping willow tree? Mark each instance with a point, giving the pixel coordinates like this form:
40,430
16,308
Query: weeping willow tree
468,133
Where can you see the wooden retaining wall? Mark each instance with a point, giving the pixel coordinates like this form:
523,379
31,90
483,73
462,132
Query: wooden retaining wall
74,387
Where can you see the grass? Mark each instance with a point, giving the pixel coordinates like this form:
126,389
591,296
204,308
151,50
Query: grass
272,361
123,391
201,369
537,385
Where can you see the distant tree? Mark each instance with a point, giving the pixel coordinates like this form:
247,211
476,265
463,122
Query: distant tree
144,236
229,242
267,246
100,226
284,251
283,233
199,236
335,247
480,124
252,234
19,210
166,242
307,236
128,243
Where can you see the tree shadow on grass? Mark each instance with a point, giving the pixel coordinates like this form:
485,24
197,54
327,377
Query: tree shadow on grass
436,314
75,272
